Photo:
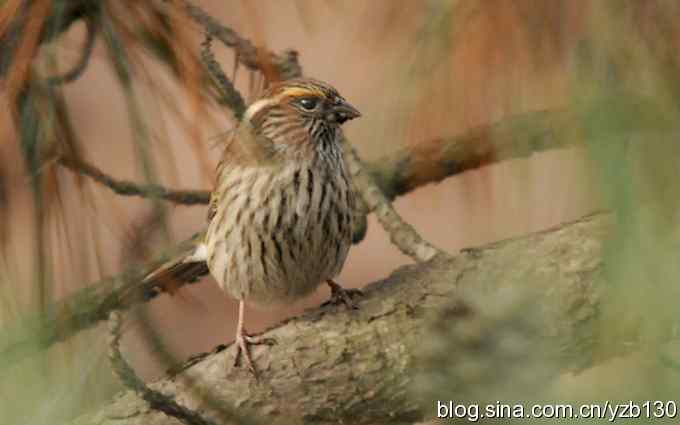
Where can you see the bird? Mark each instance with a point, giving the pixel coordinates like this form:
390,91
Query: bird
280,217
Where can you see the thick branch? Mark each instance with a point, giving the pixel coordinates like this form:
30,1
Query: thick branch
83,309
333,365
518,136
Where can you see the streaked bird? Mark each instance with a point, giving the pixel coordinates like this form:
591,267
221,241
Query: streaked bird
280,215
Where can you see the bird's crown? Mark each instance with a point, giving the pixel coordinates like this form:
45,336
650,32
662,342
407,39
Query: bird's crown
305,93
301,87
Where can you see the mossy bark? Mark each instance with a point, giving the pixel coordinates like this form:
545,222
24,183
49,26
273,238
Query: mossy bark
337,366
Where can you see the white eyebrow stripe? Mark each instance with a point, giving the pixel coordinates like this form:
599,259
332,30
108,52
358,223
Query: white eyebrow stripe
257,106
263,103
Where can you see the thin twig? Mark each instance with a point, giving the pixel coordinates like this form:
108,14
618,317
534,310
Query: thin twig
129,378
229,95
13,29
274,67
437,159
402,234
128,188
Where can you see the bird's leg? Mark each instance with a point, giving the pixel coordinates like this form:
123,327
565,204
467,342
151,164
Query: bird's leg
243,341
340,295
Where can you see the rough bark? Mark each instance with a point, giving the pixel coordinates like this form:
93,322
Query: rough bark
336,366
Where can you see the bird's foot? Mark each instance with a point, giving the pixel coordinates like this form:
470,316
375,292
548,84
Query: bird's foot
340,295
242,343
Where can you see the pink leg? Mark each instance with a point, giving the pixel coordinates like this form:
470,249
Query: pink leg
242,341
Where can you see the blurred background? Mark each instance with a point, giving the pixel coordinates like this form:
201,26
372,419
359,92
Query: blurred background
418,71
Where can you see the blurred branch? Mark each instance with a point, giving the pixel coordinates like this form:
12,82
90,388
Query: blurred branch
274,67
63,14
129,378
222,411
85,308
372,377
85,54
416,165
128,188
229,95
518,136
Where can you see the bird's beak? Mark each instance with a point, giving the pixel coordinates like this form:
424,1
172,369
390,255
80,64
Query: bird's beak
343,112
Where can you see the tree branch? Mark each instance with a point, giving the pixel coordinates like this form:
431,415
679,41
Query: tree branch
228,94
127,375
13,26
274,67
402,234
84,309
332,365
518,136
128,188
78,69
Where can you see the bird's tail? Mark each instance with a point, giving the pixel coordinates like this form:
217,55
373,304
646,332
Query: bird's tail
186,264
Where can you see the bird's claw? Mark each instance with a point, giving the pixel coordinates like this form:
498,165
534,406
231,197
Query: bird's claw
242,343
340,295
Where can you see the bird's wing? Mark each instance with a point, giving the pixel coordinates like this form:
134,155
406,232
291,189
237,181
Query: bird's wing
242,148
186,265
245,147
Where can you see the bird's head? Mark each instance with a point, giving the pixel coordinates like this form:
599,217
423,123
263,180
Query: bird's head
295,111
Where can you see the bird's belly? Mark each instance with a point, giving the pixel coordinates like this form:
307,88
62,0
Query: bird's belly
278,241
296,273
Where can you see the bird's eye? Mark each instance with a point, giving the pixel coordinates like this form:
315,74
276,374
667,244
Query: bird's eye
308,103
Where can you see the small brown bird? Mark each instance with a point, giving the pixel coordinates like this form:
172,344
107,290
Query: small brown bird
280,217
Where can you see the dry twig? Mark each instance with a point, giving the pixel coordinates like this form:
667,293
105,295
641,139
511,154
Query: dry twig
229,95
85,54
274,67
129,378
127,188
402,234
